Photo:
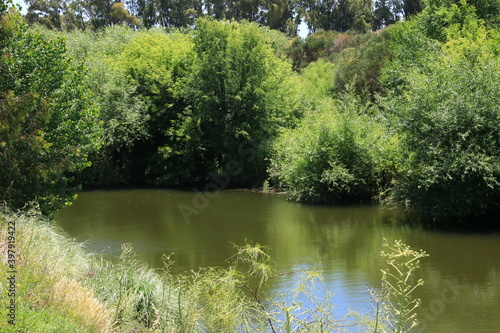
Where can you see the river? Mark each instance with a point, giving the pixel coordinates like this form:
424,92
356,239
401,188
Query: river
462,274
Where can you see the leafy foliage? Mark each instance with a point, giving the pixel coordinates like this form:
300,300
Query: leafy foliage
445,110
318,80
158,68
361,67
244,91
337,154
48,126
122,111
450,123
164,122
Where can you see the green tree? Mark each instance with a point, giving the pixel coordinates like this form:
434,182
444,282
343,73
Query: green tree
178,13
158,66
338,15
120,15
123,112
48,13
60,15
282,15
450,120
98,12
79,14
242,95
48,125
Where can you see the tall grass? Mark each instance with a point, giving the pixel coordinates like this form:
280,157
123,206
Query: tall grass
52,293
61,287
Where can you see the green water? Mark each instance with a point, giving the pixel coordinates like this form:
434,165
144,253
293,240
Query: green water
462,274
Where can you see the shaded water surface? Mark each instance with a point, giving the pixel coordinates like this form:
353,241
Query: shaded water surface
462,274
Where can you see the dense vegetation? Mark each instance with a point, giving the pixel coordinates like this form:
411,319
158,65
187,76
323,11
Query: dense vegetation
407,115
48,121
90,95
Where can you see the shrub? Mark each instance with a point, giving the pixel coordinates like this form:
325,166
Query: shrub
361,67
450,120
338,154
318,78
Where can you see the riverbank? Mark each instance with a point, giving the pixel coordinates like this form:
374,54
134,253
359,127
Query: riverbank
57,286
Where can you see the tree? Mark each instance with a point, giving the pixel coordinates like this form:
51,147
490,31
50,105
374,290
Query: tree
79,14
339,15
158,66
385,13
282,15
242,95
119,15
48,13
123,111
98,12
60,15
449,115
48,121
178,13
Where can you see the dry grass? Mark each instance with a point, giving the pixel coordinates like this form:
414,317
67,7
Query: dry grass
48,271
79,302
61,283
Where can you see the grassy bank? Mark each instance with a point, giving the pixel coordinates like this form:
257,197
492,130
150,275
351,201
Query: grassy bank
60,287
56,285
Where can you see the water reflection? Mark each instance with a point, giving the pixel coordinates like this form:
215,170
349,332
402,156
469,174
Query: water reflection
344,242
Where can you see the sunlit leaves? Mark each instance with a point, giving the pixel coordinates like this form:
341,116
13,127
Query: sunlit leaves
243,90
49,120
335,155
450,120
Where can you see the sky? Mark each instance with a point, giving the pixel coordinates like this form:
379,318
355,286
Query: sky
20,2
302,31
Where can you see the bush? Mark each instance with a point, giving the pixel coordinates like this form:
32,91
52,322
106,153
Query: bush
122,111
361,67
338,154
450,120
318,80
